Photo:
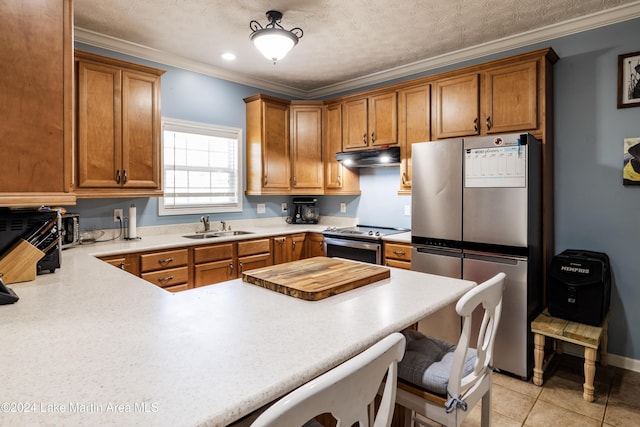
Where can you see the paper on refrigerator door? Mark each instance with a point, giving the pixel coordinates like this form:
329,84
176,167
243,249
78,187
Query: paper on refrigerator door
495,167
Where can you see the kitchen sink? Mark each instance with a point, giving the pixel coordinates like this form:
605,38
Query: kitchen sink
211,234
231,233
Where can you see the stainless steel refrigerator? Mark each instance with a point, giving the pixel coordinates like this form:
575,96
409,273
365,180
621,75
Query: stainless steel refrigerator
476,211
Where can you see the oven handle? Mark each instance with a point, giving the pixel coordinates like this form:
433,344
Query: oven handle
351,243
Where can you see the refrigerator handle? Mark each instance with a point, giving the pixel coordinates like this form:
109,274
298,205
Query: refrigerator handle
500,259
452,252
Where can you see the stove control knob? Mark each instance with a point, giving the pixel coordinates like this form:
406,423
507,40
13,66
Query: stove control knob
377,233
370,233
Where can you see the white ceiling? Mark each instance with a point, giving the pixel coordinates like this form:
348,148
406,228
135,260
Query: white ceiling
346,43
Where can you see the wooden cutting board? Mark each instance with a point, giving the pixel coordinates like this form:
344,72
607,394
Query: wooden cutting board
316,278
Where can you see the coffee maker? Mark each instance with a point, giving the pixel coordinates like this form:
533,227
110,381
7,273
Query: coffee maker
305,211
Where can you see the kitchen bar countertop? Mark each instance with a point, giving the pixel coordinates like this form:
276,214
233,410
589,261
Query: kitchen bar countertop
93,345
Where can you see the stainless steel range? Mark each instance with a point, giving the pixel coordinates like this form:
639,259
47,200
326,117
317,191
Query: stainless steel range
359,243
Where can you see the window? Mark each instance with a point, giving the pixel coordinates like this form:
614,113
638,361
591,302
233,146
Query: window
202,167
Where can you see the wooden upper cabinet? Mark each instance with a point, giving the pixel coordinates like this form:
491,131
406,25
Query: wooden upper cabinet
36,108
414,111
268,156
354,124
118,128
456,109
306,148
510,98
337,178
369,122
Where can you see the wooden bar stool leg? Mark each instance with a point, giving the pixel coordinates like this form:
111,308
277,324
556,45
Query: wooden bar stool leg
604,355
589,373
538,355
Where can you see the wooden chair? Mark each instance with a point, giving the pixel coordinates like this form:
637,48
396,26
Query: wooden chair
347,391
449,388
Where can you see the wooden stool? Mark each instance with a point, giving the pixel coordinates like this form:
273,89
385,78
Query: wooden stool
589,337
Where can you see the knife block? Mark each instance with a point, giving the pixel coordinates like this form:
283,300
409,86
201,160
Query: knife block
18,264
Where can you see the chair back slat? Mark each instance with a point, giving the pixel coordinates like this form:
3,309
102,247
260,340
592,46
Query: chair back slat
489,295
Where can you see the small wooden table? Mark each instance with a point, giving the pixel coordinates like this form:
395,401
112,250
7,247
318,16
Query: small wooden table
589,337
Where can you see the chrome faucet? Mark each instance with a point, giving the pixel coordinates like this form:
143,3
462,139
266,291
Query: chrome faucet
224,225
205,222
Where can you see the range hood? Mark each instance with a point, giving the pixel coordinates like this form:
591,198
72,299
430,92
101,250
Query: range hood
370,158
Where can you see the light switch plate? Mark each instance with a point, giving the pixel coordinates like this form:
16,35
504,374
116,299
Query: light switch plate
407,210
343,207
261,208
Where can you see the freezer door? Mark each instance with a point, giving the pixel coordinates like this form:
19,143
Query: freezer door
512,350
495,195
444,324
440,261
436,205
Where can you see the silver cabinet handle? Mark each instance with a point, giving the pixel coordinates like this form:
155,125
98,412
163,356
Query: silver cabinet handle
165,261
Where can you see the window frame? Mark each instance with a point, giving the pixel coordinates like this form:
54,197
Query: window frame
186,126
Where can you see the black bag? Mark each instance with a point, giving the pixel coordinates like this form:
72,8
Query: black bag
579,286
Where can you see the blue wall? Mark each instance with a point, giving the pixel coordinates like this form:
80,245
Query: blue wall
593,209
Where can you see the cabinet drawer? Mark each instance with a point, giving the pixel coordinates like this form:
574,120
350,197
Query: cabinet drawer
396,251
252,247
168,277
212,253
178,288
406,265
160,260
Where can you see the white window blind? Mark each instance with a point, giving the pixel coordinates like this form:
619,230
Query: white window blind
202,168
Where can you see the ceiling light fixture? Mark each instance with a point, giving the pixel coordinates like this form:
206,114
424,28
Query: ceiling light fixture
273,41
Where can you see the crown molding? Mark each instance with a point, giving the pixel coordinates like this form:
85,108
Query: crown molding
114,44
600,19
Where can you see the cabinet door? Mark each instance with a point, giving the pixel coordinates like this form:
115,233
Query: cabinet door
314,245
275,151
279,250
337,178
253,261
99,125
214,272
296,247
36,90
306,147
354,124
510,98
456,111
332,145
414,106
140,130
383,119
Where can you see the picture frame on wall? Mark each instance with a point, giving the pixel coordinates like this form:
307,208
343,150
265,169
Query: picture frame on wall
629,80
631,161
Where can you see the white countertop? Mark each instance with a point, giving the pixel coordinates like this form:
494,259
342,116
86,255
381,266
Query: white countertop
93,345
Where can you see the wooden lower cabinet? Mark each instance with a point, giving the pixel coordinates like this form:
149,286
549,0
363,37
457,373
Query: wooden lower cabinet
214,264
254,254
314,245
167,269
288,248
397,255
168,277
127,262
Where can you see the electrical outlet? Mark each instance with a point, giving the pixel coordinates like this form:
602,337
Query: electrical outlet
343,207
261,208
407,210
283,207
117,213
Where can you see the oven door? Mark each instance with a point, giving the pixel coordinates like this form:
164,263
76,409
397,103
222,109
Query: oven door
356,250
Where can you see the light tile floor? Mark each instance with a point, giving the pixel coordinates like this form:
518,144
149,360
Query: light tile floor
559,401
